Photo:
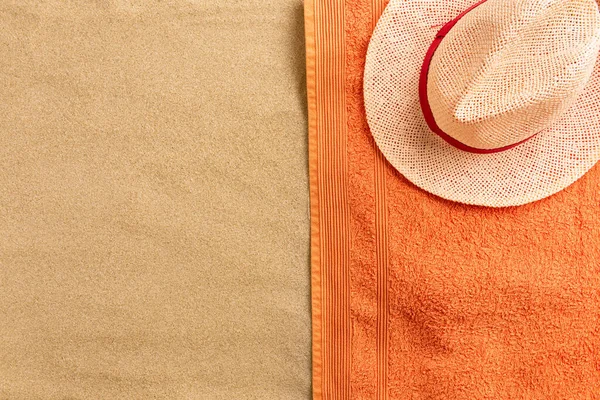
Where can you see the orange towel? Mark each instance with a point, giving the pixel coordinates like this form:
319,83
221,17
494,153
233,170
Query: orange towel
415,297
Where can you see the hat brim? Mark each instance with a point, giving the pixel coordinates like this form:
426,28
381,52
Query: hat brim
552,160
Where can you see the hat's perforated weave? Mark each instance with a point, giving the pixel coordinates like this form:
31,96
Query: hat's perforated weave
509,69
544,165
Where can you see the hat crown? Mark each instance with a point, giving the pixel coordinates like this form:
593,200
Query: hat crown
509,69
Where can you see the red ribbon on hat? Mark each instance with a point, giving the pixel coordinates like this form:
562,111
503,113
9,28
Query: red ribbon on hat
423,97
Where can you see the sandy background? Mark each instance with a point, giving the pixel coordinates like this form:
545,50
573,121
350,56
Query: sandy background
154,226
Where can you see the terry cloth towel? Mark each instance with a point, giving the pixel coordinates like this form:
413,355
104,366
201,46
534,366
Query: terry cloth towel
154,211
415,297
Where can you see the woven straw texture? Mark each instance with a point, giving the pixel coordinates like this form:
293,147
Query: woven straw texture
516,68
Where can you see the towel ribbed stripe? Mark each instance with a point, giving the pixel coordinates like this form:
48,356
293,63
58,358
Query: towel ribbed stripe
377,7
330,234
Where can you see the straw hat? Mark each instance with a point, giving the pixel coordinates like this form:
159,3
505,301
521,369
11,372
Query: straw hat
493,103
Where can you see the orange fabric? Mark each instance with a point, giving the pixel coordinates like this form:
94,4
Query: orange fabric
415,297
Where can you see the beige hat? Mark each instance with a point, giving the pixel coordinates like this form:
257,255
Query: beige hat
493,103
